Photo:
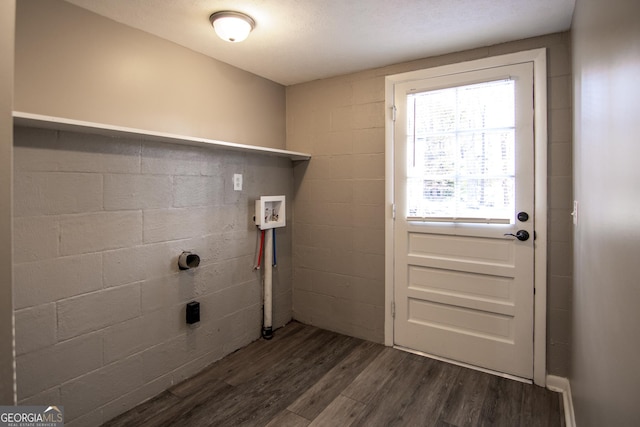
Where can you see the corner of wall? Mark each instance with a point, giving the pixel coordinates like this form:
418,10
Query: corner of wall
7,363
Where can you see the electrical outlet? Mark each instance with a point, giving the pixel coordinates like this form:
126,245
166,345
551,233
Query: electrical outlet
237,182
574,214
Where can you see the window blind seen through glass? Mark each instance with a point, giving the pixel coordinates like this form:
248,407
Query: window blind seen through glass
461,144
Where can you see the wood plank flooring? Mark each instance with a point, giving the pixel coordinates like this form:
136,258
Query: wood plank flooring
307,376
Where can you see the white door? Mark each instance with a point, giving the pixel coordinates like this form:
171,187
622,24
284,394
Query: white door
464,188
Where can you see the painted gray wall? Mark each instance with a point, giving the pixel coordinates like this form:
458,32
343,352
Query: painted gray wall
75,64
99,224
7,21
605,379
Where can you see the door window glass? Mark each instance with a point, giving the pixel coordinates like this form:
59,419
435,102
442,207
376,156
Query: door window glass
461,160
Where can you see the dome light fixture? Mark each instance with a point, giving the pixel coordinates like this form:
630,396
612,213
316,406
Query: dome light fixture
232,26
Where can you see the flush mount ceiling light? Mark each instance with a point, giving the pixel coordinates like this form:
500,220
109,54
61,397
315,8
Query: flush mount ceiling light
232,26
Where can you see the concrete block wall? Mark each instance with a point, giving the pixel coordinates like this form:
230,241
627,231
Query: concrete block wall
339,205
99,223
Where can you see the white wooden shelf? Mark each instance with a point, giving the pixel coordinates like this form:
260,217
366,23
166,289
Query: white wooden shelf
59,123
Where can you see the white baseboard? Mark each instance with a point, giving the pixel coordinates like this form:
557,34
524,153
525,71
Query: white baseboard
561,385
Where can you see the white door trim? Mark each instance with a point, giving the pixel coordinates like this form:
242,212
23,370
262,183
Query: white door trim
538,57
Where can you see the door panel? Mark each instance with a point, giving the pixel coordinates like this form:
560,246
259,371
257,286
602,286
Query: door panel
452,284
460,320
463,288
469,248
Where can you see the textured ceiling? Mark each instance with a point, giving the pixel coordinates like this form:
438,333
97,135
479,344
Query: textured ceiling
301,40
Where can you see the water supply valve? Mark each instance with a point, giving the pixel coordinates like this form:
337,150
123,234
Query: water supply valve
270,212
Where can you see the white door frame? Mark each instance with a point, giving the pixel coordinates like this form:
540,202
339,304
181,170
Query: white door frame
539,59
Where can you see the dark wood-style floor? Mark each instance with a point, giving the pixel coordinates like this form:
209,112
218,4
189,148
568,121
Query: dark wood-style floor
307,376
